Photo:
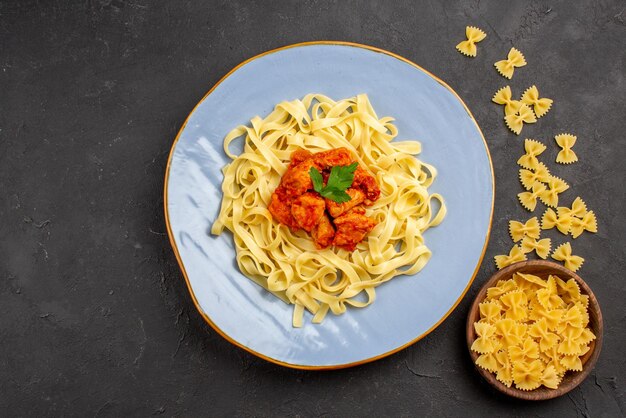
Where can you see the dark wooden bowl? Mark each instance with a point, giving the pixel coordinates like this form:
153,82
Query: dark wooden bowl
571,379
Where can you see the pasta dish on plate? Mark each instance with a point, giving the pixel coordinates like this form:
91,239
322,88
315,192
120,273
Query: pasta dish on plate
324,205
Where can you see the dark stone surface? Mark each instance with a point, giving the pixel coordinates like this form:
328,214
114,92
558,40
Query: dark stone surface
95,319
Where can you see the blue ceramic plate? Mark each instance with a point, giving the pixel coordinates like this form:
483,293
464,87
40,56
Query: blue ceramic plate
408,307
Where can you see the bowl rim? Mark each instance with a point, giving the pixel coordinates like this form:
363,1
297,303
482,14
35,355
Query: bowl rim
589,360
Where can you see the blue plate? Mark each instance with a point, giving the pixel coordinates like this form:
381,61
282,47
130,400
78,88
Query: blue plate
408,307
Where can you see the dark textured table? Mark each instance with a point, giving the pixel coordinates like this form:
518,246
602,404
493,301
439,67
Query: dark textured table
95,318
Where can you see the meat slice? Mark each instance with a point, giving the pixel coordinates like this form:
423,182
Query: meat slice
352,228
333,157
280,208
337,209
307,210
323,233
296,179
299,156
367,183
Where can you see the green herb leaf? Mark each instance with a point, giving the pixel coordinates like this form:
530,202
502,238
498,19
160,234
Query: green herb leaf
317,179
340,179
338,196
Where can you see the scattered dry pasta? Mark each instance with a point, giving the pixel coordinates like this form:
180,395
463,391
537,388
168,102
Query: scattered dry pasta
552,219
581,220
564,253
474,35
529,199
520,230
514,59
586,223
516,121
566,155
516,254
540,105
540,246
504,97
556,186
529,177
533,148
532,331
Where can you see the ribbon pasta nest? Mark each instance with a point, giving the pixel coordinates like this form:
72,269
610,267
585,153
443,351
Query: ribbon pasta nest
287,262
532,331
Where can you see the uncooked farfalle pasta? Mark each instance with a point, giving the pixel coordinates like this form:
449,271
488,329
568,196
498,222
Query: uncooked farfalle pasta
573,220
515,255
540,105
566,155
532,331
540,246
516,121
533,148
564,253
515,59
519,230
504,97
474,35
538,183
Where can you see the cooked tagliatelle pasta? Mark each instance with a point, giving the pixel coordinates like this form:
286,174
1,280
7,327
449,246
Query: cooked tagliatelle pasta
286,262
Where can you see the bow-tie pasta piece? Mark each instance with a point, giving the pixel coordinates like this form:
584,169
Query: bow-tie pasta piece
531,98
552,316
504,97
505,371
528,177
587,223
573,318
579,208
488,362
485,342
539,330
554,360
514,59
569,344
541,247
556,186
529,199
490,311
514,304
569,291
502,287
527,375
519,230
564,253
566,155
550,378
474,35
516,254
528,350
585,338
548,297
572,362
528,283
533,148
516,121
511,333
562,222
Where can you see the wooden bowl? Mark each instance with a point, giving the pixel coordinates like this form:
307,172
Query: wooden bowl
571,379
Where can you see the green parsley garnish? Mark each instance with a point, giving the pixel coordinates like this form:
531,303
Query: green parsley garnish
340,179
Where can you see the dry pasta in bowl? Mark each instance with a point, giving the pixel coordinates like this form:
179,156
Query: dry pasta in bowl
535,329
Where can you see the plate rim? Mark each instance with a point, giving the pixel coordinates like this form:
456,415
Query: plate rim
181,265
